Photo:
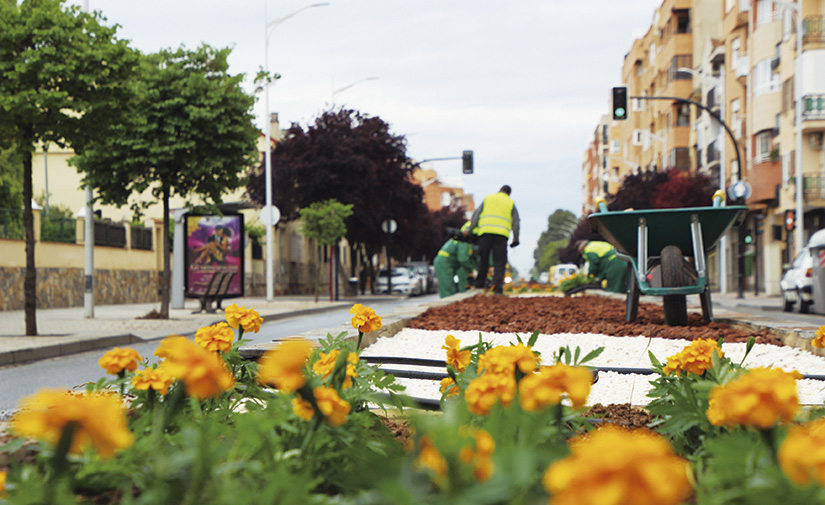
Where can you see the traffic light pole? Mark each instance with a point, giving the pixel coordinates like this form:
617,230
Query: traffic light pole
741,254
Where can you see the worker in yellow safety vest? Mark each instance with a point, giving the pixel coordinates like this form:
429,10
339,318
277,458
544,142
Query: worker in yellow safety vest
495,219
454,259
603,264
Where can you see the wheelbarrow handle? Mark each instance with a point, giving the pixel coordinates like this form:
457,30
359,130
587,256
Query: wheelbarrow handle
718,198
601,204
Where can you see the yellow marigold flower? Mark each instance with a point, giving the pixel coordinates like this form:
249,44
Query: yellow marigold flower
504,359
326,364
2,483
550,383
154,378
248,319
283,367
119,359
802,454
694,358
759,398
456,358
215,338
480,456
430,458
99,420
302,408
819,337
204,373
335,409
483,392
364,318
446,382
613,466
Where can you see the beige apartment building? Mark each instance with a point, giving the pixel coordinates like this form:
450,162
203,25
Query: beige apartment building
750,62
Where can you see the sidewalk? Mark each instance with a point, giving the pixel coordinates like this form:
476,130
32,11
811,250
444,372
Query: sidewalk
66,330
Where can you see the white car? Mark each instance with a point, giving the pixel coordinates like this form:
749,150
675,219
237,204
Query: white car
404,281
797,283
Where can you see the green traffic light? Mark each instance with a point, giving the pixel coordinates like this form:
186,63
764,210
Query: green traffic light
748,238
619,112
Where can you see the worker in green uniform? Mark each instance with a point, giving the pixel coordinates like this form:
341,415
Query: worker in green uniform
602,263
455,258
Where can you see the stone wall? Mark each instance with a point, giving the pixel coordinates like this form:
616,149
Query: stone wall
64,287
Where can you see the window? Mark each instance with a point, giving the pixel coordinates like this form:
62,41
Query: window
764,144
652,54
682,20
735,52
604,134
638,137
614,146
729,5
680,158
764,79
736,118
764,11
681,61
682,115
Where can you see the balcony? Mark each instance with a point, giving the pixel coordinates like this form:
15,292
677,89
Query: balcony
813,30
813,107
765,176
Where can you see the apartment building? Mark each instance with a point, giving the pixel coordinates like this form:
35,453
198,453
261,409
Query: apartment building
748,62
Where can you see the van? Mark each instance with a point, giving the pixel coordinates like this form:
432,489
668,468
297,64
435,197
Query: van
562,270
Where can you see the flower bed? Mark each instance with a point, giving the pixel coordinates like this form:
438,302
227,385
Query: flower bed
205,426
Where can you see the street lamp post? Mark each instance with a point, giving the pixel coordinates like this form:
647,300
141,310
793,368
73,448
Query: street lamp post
340,90
723,241
269,26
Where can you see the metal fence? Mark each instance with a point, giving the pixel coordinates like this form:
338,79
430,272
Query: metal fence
58,229
141,238
11,223
110,234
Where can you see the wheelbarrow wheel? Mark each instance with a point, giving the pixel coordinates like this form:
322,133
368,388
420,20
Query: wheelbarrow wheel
674,276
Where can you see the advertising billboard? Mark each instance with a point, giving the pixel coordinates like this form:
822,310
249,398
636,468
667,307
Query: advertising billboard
214,255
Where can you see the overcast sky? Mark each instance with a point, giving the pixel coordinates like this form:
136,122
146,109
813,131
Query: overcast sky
521,83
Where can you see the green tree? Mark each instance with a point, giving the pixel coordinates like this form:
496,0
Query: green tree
560,226
324,222
65,79
11,195
192,135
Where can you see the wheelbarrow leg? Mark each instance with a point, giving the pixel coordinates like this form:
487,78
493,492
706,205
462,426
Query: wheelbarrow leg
707,306
632,309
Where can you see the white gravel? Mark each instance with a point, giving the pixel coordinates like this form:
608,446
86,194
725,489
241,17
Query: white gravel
611,387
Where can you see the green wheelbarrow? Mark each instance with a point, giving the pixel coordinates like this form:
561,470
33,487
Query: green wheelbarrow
667,250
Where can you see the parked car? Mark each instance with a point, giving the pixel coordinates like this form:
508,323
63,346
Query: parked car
562,270
422,269
798,281
404,281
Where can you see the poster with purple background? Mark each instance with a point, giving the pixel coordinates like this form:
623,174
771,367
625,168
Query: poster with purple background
214,244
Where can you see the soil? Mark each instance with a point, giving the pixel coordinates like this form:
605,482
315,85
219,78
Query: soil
579,314
576,314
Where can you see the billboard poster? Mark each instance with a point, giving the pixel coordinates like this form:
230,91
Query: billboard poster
214,254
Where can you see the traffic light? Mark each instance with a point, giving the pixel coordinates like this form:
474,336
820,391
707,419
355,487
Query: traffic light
749,237
758,223
620,103
467,161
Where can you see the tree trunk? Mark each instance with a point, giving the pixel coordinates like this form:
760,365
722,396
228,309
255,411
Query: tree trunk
30,279
164,276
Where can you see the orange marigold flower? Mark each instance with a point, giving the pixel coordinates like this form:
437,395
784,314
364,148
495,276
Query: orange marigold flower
456,358
302,408
760,398
613,466
364,319
335,409
802,454
430,458
154,378
248,319
446,382
694,358
283,367
504,359
326,364
480,456
99,420
547,386
120,359
215,338
483,392
819,337
2,483
204,373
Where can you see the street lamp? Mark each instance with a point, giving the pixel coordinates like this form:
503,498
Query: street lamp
269,26
340,90
800,217
723,241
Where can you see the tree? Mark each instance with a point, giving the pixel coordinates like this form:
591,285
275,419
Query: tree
11,195
192,135
324,222
65,79
560,225
355,159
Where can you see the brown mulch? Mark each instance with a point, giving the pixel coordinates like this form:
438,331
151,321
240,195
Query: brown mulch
577,314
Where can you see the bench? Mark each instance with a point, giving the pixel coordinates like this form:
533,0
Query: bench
215,292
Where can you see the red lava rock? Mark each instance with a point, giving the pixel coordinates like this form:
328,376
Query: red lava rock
579,314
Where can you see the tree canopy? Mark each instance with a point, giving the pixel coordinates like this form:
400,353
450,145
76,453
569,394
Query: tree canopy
65,80
355,159
192,135
560,225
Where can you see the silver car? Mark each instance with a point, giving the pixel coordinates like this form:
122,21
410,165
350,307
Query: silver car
797,283
404,281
